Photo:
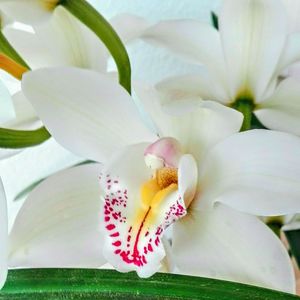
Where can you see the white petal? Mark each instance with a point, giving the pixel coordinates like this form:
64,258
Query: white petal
199,125
85,111
63,41
26,118
194,41
6,153
257,171
230,245
293,9
71,42
291,52
282,110
187,178
58,225
3,236
193,86
133,223
29,11
196,124
7,110
129,27
253,34
32,50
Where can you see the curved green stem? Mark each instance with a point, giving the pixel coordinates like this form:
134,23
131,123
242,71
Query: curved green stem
83,11
15,139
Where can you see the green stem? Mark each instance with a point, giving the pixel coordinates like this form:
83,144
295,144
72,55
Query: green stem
8,50
91,284
15,139
245,106
82,10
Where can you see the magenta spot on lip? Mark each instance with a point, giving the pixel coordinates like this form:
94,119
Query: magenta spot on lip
110,226
117,243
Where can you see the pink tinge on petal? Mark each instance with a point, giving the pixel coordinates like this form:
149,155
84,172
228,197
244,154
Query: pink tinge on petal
165,150
133,229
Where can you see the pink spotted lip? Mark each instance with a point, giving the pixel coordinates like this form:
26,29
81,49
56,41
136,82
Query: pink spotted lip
134,245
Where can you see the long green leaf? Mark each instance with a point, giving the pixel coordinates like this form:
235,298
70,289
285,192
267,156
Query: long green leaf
82,10
15,139
87,284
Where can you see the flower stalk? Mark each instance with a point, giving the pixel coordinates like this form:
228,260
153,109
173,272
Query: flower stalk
83,11
245,106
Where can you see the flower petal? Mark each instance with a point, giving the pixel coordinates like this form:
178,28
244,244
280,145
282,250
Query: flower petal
135,214
253,34
63,41
129,27
193,86
196,124
194,41
7,110
282,110
58,225
85,111
3,236
26,117
291,52
29,11
293,9
230,245
257,171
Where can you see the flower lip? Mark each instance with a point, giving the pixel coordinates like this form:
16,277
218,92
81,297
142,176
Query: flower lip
136,213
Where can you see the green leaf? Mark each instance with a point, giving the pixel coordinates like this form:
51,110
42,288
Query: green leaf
91,284
15,139
83,11
214,20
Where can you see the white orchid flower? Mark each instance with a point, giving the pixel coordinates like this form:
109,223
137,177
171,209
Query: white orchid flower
62,41
242,60
146,187
3,236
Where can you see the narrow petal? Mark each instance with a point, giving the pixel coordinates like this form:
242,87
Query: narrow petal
136,211
32,50
253,34
257,171
192,40
3,236
193,86
129,27
26,118
196,124
230,245
85,111
291,52
63,41
58,225
7,110
29,11
282,110
71,42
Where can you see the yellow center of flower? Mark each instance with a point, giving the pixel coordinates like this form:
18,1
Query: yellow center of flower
154,191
